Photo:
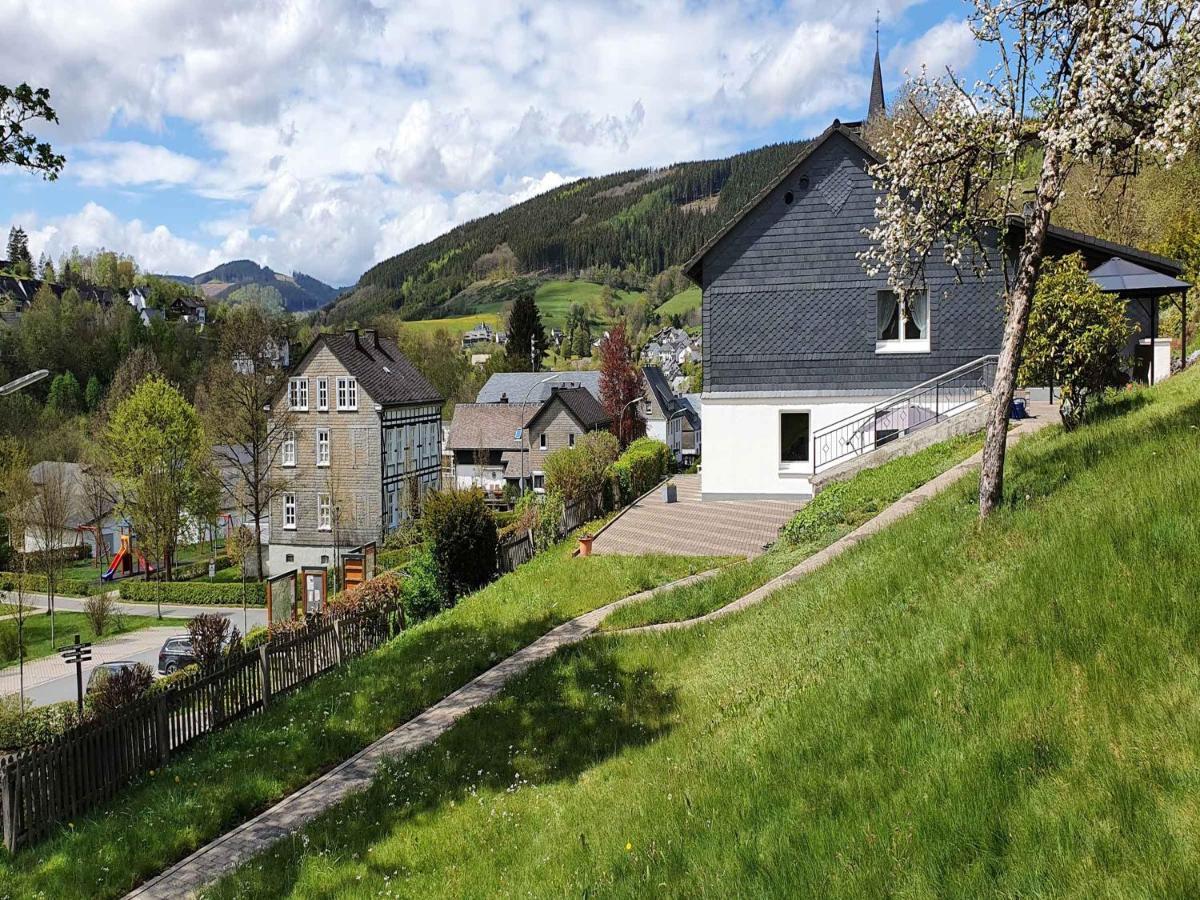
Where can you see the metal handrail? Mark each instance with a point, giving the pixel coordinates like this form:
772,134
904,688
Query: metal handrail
901,409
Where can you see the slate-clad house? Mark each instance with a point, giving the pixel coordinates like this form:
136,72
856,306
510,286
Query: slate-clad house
367,431
667,415
503,443
798,337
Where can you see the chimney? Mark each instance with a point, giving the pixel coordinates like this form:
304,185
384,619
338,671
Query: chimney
504,398
357,343
373,334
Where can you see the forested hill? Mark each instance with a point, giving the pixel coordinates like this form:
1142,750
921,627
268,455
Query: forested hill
296,292
644,219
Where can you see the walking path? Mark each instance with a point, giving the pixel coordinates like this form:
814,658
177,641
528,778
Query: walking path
355,774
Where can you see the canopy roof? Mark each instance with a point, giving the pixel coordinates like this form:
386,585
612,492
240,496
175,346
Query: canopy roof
1123,276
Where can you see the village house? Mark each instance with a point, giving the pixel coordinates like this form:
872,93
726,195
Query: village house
667,415
809,361
364,445
502,444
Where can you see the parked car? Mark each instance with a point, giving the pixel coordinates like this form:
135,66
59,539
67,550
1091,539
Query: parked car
176,653
103,670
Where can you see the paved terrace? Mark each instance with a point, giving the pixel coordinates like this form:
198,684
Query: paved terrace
691,528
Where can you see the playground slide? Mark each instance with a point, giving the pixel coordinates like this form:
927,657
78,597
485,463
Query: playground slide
115,565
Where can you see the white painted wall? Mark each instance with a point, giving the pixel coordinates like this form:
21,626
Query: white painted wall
278,563
657,429
1162,358
741,443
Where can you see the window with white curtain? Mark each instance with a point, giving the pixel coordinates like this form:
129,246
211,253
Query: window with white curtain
289,448
899,330
322,446
324,513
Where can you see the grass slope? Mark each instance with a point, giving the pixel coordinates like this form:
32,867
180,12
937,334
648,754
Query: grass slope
681,304
229,776
455,325
952,709
835,513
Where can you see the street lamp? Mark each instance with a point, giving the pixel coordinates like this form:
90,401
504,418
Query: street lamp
621,414
23,382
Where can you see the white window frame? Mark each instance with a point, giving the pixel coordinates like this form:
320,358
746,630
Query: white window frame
903,344
324,442
298,394
347,394
289,512
543,441
324,513
794,467
289,450
322,394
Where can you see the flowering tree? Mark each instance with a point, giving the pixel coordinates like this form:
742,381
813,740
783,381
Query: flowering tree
1096,85
620,385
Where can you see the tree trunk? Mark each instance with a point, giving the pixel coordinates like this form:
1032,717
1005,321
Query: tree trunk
991,479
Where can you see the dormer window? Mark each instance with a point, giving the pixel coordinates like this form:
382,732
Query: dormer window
298,394
894,333
347,394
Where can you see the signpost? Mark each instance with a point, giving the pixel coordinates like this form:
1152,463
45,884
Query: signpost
77,654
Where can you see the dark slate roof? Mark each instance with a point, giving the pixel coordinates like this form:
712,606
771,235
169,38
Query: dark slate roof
1121,276
382,371
584,406
520,387
663,395
1095,247
691,268
488,426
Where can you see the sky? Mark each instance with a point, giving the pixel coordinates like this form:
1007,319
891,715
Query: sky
326,135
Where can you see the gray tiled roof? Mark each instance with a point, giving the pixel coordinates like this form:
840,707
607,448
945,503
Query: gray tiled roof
663,396
584,406
488,426
381,369
522,386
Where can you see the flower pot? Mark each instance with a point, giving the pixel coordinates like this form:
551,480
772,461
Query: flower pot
670,493
585,545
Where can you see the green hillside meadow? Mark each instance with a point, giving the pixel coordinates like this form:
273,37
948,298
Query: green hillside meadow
950,709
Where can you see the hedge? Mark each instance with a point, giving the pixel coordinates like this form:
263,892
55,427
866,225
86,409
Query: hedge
36,584
644,464
193,593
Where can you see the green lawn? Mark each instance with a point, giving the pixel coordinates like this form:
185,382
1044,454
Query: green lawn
681,304
455,325
555,298
836,512
67,625
229,776
949,710
89,570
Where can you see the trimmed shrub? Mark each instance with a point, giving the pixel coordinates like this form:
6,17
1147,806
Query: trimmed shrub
36,584
38,725
169,681
256,637
422,596
193,593
461,535
643,465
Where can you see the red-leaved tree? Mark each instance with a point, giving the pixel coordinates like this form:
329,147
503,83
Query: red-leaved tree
620,385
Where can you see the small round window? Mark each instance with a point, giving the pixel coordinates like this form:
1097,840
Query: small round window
788,198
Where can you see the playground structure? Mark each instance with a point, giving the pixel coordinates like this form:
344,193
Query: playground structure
123,562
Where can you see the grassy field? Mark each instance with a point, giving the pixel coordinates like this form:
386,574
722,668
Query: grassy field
836,512
681,304
66,624
229,776
952,709
455,325
555,298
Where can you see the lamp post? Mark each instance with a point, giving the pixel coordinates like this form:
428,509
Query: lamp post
621,414
523,432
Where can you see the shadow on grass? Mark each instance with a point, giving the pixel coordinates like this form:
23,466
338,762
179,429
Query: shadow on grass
552,724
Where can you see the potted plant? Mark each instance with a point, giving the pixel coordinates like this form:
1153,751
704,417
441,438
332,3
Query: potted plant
670,492
585,544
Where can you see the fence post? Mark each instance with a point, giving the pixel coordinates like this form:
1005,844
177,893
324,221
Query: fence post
265,668
8,806
337,641
164,734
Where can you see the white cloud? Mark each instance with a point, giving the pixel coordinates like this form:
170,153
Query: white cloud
949,43
338,131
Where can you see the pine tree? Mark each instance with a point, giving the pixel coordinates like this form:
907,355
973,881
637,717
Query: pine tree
64,394
19,260
93,394
526,335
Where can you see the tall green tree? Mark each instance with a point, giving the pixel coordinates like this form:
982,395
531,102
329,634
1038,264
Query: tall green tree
19,260
20,106
526,335
159,455
93,394
64,395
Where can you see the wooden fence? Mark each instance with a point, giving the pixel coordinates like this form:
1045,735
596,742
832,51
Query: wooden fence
520,548
72,774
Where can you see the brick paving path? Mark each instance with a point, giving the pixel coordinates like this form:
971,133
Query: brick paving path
292,813
689,527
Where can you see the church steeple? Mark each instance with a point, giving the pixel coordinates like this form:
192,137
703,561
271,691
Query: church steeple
878,105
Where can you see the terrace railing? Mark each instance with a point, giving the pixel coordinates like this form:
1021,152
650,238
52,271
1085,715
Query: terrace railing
917,407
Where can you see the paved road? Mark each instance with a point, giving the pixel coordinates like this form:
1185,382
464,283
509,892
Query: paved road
49,680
